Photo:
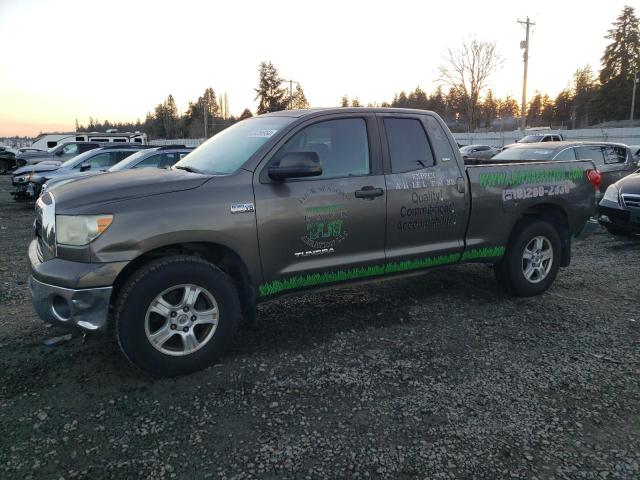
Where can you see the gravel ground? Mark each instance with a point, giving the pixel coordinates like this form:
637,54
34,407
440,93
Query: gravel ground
436,376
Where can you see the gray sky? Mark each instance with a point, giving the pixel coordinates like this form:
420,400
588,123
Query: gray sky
65,59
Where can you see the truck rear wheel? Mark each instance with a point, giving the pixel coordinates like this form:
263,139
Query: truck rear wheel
532,260
176,315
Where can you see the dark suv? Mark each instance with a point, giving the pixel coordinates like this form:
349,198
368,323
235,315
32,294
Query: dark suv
613,160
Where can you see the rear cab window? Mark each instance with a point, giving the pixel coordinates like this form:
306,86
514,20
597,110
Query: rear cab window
615,154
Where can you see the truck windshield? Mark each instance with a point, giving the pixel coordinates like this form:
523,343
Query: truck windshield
226,151
528,153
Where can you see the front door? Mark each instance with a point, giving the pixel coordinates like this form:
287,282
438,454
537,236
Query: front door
427,203
329,228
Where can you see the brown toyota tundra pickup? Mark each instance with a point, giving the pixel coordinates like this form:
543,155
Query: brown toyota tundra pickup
281,203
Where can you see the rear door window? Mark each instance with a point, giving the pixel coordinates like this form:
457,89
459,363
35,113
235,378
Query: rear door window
408,145
591,152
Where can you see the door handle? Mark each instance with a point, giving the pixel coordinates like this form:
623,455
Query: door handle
461,185
369,192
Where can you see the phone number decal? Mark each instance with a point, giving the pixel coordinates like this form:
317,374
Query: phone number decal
522,193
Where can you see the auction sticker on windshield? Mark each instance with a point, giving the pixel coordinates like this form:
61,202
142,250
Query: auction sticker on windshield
261,133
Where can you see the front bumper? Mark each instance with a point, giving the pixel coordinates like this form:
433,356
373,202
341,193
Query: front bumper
87,309
69,293
615,216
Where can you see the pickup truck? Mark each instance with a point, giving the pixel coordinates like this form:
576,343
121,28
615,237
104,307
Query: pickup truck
171,260
537,138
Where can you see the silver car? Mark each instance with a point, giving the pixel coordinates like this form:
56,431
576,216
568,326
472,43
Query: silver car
478,151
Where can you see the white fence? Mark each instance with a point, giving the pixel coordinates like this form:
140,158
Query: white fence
629,136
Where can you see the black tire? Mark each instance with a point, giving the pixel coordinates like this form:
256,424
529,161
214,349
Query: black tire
509,272
617,231
149,282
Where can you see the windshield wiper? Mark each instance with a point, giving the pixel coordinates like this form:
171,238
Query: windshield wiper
188,169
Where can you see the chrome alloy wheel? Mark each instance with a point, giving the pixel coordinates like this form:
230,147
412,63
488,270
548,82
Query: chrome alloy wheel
181,320
537,259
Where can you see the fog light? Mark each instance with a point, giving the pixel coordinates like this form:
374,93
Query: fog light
60,308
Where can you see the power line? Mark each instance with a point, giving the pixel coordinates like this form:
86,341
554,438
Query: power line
525,45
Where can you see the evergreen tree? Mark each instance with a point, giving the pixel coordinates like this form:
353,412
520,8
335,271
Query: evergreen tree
418,99
246,113
344,101
585,91
620,61
272,97
438,102
534,110
299,100
548,110
489,109
563,106
355,102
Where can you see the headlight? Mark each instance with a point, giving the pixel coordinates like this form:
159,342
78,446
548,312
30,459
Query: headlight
612,194
80,229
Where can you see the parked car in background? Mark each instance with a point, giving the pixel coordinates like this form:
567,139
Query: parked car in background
97,160
7,159
537,138
635,151
613,160
619,209
61,153
158,157
471,152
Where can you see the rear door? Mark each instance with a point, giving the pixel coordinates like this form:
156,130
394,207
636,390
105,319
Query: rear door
325,229
427,202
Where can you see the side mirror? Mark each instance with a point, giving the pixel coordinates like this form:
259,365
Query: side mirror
296,165
59,153
85,166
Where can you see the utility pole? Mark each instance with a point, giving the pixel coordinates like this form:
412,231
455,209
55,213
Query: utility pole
204,115
633,96
525,45
291,82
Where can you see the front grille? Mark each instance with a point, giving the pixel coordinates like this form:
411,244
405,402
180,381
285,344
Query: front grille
631,200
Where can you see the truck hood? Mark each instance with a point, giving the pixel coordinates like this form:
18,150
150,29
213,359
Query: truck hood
127,184
47,167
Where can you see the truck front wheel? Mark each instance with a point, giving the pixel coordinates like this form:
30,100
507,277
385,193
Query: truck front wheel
176,315
532,260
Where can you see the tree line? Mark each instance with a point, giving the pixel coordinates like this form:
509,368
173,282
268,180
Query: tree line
463,98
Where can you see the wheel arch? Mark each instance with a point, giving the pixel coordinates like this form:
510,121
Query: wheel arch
557,216
219,255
